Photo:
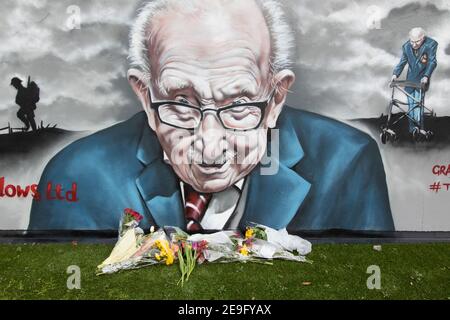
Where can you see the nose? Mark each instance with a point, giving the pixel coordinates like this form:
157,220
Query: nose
211,139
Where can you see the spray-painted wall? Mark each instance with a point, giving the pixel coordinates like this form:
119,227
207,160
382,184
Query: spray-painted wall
344,59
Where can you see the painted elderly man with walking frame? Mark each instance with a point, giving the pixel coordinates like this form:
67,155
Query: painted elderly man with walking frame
419,52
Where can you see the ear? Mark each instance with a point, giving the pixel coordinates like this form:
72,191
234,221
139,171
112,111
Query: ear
140,88
283,81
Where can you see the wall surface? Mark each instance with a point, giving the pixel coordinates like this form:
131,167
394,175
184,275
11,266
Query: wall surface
345,53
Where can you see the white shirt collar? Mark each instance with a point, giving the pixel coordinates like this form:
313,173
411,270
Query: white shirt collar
215,218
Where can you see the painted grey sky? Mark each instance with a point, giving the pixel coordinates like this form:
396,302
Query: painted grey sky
346,51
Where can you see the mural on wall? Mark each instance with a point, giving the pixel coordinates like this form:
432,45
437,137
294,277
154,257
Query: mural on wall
209,115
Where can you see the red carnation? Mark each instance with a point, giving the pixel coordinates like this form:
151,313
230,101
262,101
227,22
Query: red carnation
134,214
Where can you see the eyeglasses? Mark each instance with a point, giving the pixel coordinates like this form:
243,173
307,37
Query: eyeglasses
237,116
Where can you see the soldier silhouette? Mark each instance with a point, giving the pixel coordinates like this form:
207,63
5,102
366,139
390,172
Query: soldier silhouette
26,99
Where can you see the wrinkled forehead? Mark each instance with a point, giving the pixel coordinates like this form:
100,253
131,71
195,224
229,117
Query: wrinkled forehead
199,34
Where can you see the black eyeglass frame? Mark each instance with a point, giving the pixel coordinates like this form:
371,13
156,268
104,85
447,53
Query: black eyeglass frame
262,105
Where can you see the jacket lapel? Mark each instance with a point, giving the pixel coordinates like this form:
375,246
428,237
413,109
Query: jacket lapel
274,200
413,57
420,52
158,184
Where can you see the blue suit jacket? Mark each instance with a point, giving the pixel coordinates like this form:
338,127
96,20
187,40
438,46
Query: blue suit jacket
416,68
330,176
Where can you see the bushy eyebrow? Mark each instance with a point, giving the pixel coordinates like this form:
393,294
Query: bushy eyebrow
175,86
244,91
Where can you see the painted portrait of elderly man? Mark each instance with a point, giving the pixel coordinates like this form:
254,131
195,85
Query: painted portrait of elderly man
215,146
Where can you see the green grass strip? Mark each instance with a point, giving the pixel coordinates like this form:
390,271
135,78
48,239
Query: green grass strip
408,271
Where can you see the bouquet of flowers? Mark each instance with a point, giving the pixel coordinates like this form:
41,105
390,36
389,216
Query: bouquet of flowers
135,249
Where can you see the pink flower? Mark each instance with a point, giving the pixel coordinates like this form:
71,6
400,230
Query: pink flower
175,248
200,246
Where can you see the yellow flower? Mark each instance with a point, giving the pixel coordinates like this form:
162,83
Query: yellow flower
244,250
165,251
248,233
169,260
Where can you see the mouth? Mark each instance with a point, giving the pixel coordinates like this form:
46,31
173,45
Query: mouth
214,165
219,166
213,169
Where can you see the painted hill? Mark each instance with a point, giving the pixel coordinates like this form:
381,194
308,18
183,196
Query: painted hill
26,142
439,125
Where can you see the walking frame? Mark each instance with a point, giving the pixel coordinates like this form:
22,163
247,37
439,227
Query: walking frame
419,133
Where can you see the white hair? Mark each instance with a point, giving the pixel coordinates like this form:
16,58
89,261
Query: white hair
417,32
282,39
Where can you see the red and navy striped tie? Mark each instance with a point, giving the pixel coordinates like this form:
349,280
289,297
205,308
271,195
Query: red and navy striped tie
194,208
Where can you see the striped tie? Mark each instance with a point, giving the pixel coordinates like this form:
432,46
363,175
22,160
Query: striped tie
194,208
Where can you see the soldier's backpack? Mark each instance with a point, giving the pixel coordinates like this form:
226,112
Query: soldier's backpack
33,91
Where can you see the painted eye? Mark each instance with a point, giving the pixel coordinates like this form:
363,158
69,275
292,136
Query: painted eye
239,101
182,100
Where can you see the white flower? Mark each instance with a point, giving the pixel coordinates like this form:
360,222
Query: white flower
287,241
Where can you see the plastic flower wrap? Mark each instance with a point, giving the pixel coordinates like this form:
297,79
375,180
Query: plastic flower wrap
130,220
127,244
259,243
134,249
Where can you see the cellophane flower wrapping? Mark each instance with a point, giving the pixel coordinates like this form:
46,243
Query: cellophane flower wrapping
167,245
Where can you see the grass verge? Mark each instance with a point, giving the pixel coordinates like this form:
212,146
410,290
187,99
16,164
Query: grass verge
338,271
